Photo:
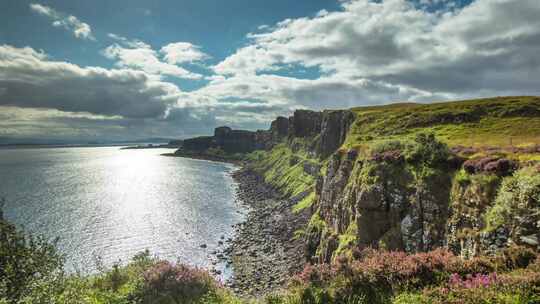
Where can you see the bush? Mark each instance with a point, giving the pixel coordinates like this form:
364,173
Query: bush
376,276
165,282
31,269
385,146
517,202
427,151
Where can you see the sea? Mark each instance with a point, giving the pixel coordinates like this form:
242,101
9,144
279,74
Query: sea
103,205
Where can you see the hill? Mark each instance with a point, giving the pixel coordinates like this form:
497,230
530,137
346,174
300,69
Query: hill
505,123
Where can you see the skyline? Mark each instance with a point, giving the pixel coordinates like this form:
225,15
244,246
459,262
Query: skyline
73,70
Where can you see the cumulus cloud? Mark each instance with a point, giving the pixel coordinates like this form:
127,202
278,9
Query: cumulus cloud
71,23
182,52
487,46
367,52
138,55
30,80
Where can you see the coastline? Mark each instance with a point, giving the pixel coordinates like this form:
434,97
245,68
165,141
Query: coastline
264,252
206,157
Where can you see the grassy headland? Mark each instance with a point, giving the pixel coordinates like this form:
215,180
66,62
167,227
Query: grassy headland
473,184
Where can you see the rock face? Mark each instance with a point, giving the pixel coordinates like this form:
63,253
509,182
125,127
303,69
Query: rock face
235,141
199,143
279,128
330,126
230,141
334,128
305,123
379,202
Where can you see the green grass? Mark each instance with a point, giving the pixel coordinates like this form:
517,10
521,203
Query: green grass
501,121
306,202
283,169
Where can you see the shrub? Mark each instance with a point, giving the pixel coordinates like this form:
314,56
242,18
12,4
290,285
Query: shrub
388,145
30,267
518,201
520,287
376,276
427,151
165,282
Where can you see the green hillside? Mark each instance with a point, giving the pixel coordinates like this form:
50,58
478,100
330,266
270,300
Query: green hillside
503,122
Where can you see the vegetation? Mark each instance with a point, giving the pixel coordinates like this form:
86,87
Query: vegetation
518,197
31,271
284,169
211,154
502,122
306,202
30,267
371,276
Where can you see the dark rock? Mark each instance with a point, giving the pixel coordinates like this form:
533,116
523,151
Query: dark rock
199,143
311,168
279,128
334,128
305,123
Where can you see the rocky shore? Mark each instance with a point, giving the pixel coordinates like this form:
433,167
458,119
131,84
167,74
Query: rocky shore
264,252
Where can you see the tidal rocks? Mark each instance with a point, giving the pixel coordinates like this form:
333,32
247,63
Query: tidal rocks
265,252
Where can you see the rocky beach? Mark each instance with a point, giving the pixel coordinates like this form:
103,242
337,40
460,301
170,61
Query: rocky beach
265,251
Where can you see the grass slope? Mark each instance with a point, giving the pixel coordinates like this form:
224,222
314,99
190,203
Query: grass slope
501,121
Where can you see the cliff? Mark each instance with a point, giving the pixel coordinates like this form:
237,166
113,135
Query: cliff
412,177
408,177
330,126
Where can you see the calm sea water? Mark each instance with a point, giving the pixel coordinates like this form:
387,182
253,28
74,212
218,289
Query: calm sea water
110,203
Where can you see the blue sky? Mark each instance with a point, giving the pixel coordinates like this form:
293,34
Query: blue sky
219,26
97,70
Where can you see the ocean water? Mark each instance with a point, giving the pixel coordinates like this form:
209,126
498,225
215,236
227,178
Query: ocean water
106,204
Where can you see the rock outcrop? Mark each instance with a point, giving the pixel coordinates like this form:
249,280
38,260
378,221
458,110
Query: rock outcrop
230,141
199,143
334,128
279,128
382,204
330,127
305,123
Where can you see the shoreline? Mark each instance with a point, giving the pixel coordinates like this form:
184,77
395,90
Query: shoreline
263,252
206,157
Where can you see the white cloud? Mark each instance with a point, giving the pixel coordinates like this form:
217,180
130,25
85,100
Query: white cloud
139,55
368,52
71,23
30,80
182,52
489,46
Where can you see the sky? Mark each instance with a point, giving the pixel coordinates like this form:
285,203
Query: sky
123,70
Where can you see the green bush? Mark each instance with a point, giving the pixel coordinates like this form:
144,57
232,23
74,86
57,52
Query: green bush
427,151
518,197
387,145
31,270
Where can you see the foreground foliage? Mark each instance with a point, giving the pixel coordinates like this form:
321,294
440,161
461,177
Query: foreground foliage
31,271
436,277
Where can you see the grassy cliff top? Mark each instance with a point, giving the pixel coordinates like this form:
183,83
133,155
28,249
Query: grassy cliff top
502,122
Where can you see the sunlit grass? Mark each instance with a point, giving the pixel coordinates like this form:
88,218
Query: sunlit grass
501,122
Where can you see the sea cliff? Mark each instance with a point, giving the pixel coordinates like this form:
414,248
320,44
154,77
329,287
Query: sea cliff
405,177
